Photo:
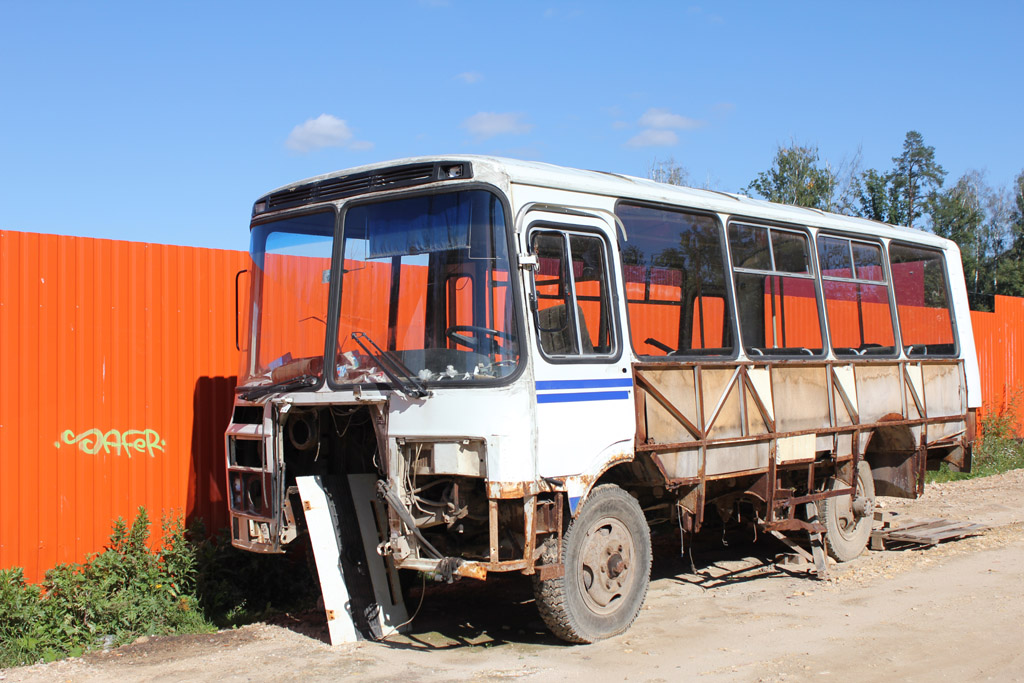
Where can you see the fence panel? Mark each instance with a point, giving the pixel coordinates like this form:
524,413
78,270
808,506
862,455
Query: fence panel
117,369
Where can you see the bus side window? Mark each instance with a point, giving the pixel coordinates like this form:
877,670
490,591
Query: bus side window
571,291
775,291
922,301
856,297
673,269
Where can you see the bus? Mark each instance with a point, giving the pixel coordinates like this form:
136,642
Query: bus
490,365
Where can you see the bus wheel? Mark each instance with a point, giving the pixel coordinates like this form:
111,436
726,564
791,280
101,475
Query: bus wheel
607,556
848,522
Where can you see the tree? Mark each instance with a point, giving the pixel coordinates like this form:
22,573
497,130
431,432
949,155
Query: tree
668,171
796,178
959,214
916,177
876,197
1010,267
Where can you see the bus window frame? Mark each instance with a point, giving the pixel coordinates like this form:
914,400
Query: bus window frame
334,304
954,328
730,295
615,325
882,244
810,233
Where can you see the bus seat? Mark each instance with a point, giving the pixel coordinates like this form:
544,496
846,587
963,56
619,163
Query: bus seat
556,333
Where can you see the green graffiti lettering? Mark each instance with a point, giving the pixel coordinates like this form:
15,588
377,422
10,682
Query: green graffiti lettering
129,442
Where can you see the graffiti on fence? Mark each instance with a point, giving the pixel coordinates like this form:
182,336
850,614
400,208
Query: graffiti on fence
129,442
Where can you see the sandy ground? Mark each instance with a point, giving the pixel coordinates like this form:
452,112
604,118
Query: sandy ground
951,612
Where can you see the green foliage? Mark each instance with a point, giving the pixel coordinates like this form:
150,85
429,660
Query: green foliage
125,591
998,448
187,585
796,178
878,198
916,176
1009,266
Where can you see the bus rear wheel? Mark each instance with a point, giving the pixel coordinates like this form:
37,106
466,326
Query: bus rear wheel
607,556
847,519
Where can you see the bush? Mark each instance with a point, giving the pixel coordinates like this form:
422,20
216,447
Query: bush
998,448
190,584
115,596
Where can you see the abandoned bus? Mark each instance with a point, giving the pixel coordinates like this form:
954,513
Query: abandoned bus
489,365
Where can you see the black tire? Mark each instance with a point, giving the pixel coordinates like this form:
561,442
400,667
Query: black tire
607,556
848,522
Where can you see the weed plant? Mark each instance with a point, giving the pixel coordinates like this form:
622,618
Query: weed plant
115,596
997,449
191,583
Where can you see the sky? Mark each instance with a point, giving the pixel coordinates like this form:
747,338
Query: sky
163,122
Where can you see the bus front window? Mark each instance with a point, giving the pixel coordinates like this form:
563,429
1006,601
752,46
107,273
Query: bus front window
427,280
291,265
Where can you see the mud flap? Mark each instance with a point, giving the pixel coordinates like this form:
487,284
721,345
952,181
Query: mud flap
354,580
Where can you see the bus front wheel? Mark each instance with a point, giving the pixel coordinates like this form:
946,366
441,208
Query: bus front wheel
607,556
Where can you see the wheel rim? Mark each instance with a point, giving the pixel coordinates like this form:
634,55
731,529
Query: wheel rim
851,514
606,561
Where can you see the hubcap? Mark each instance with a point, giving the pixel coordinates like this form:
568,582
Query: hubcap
605,559
850,513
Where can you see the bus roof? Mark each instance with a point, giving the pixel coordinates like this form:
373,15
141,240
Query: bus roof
550,176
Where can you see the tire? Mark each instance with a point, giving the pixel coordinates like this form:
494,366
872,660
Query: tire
607,556
848,522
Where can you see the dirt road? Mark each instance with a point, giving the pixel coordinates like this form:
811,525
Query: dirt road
952,612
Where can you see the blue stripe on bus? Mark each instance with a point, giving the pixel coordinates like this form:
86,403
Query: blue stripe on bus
582,396
547,385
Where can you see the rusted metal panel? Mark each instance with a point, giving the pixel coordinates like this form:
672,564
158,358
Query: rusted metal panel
942,389
118,363
722,402
801,397
878,390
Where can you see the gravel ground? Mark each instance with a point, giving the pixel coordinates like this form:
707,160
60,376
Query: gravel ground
952,612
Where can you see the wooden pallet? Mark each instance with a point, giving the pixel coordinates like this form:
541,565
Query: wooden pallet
920,532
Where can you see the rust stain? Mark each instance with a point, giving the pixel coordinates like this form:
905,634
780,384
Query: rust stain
472,570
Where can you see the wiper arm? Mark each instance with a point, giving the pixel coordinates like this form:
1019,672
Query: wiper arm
393,368
288,385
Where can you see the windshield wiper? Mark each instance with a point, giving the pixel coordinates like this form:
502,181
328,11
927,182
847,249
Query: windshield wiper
393,368
299,382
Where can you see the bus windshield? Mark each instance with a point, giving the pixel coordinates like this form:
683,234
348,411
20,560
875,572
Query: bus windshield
425,281
291,265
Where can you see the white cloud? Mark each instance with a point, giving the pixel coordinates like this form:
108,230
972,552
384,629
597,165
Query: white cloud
470,77
486,124
664,119
653,137
323,131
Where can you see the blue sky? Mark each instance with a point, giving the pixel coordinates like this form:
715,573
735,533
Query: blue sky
163,122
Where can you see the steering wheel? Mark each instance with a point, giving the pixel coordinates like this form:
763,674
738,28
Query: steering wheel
481,339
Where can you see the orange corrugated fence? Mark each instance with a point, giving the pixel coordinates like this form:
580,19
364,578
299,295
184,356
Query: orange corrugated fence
117,370
999,337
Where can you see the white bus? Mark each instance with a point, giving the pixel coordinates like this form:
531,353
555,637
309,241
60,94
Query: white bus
511,366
